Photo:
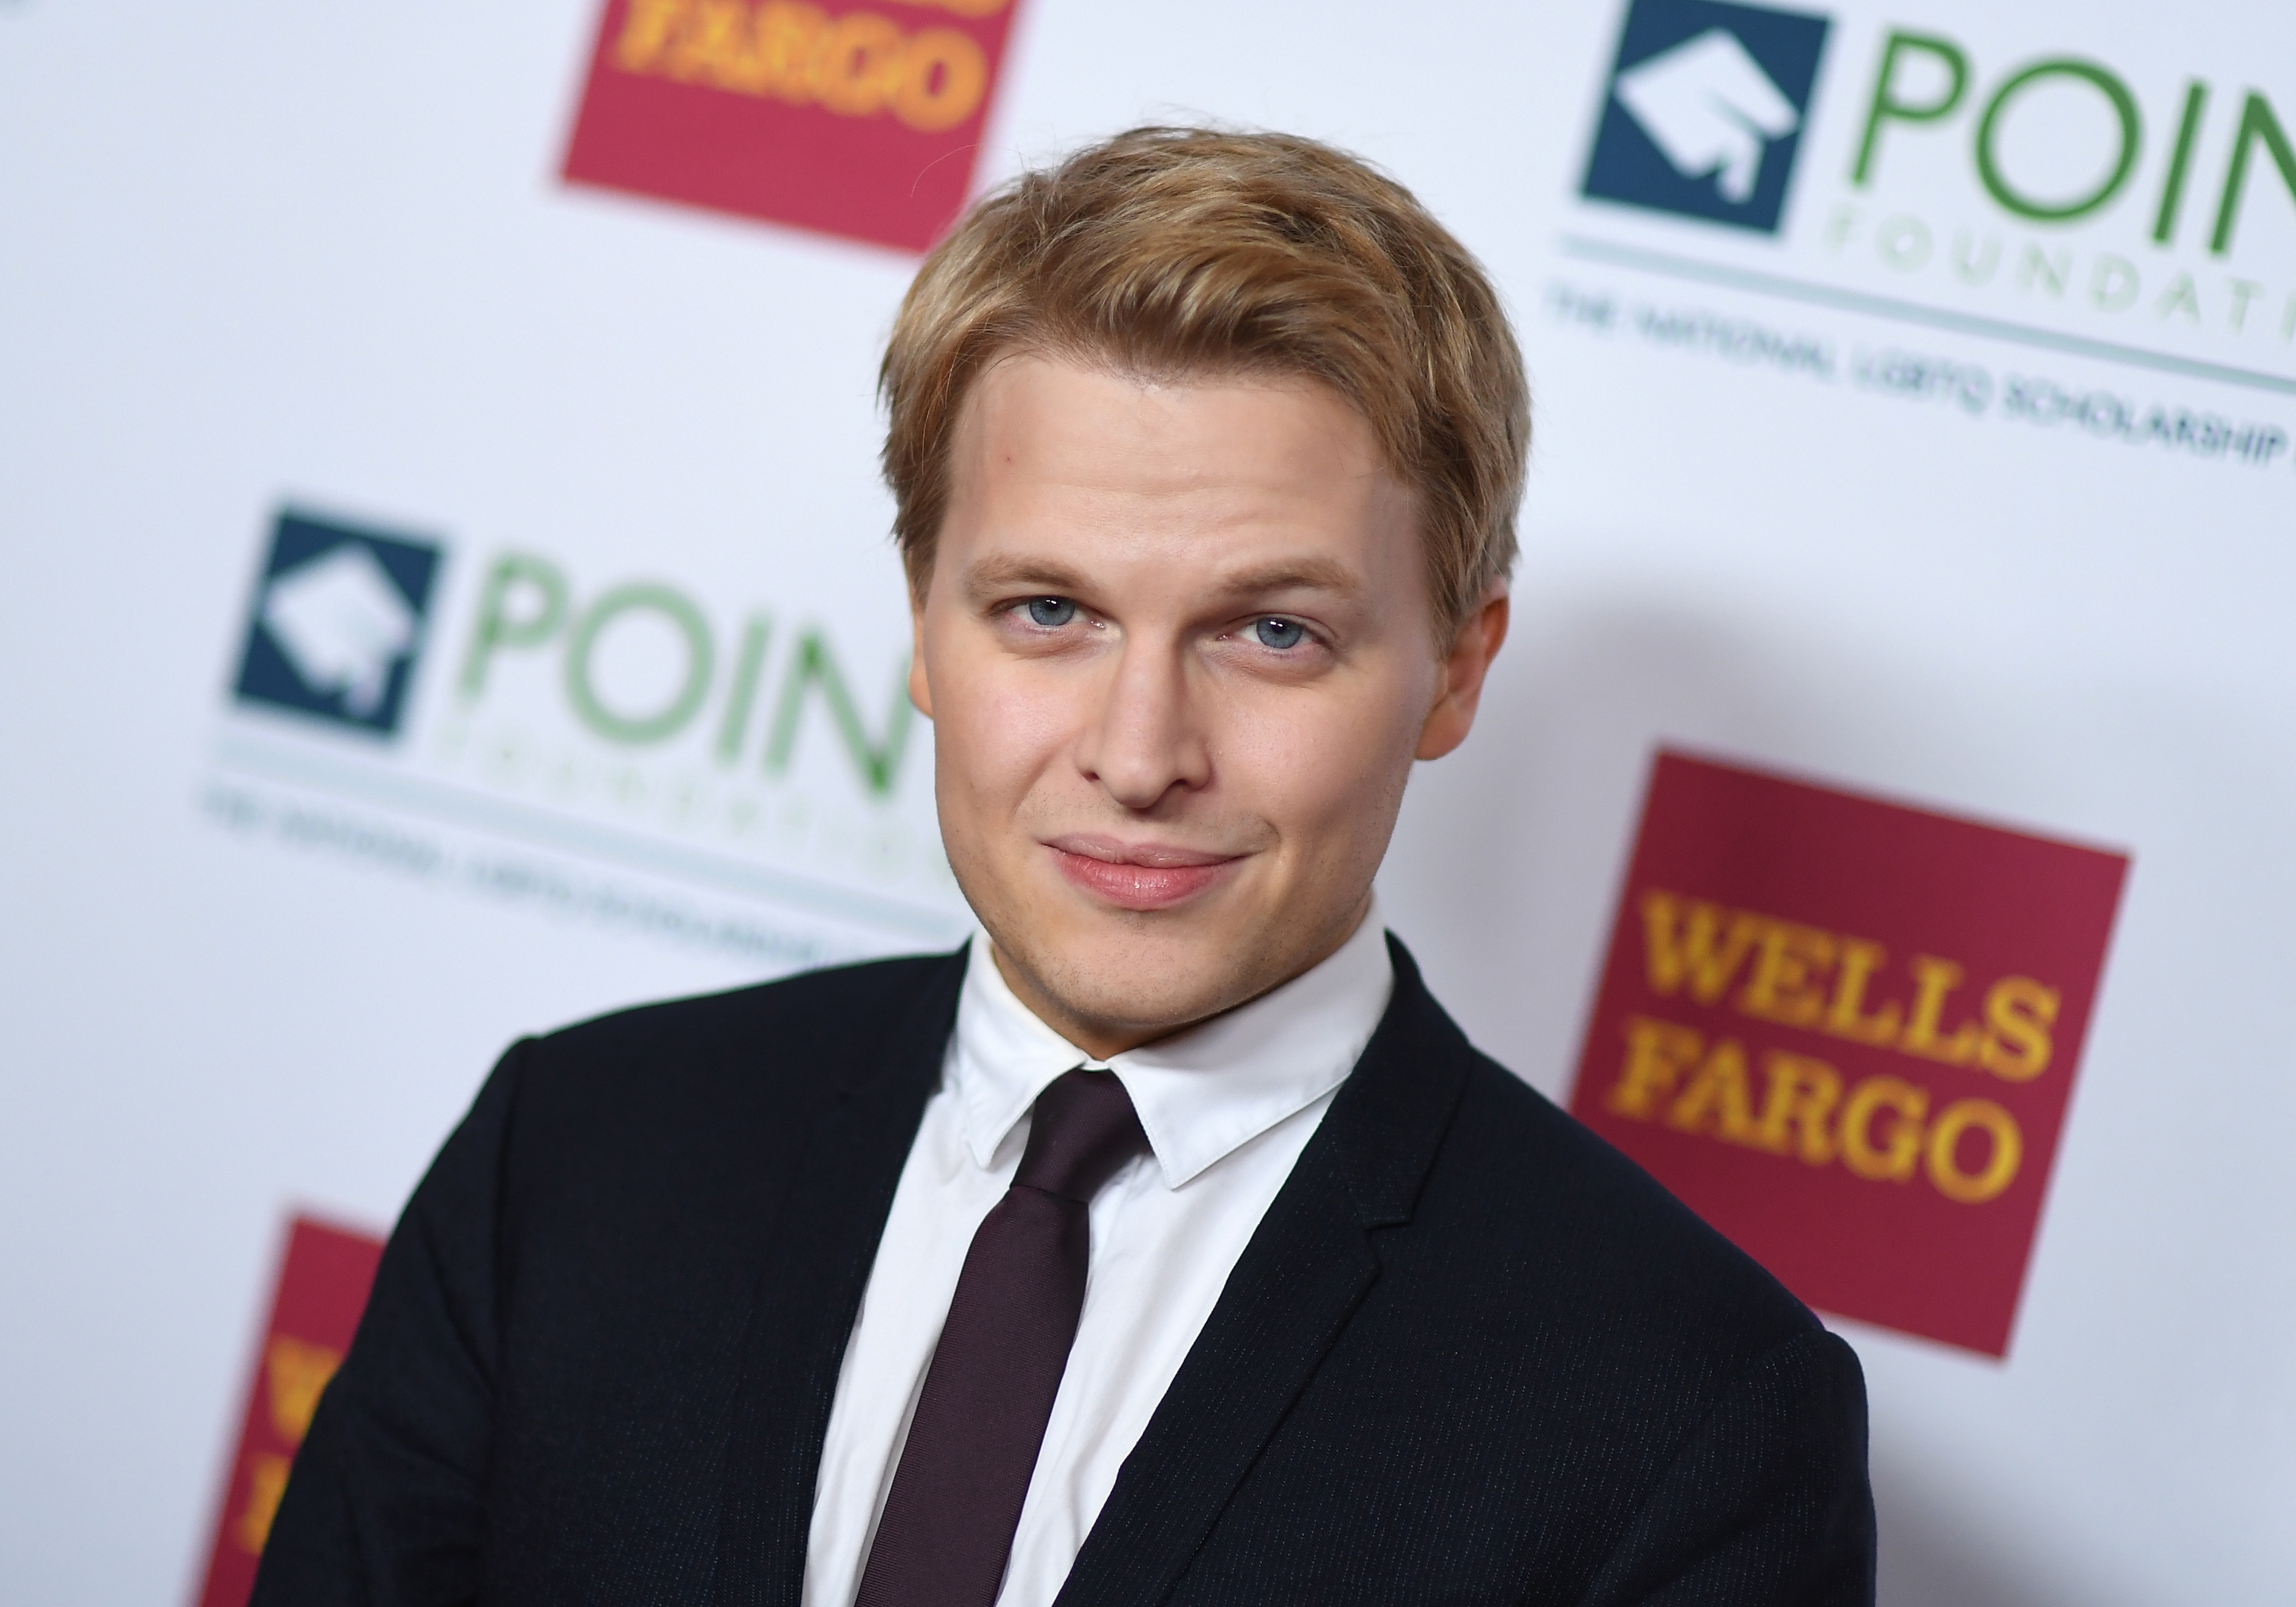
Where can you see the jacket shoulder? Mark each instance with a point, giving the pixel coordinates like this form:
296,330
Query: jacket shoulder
848,1006
721,1085
1554,1192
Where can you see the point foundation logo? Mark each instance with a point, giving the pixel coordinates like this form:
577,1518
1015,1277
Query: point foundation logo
667,752
1705,111
337,622
2112,190
2086,185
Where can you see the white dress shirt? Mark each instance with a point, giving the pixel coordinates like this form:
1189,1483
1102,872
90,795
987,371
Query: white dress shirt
1227,1106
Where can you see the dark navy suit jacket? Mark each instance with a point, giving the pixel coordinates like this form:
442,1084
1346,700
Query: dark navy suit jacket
1473,1355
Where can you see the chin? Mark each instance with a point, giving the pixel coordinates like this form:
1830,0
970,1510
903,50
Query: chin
1153,971
1141,973
1137,987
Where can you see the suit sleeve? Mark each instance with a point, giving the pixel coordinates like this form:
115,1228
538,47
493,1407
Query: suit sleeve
385,1507
1768,1504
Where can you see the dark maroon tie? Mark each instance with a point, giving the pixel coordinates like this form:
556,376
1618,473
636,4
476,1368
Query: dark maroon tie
948,1521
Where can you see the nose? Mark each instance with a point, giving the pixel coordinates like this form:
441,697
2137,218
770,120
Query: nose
1147,739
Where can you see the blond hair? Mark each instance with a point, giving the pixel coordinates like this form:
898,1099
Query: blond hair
1172,251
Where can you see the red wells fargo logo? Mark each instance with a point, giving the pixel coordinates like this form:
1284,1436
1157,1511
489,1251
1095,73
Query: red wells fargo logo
322,1288
860,121
1845,1033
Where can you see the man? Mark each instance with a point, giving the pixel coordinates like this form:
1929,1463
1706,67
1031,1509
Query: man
1168,1242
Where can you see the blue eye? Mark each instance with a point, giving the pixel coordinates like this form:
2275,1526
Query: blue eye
1050,613
1280,634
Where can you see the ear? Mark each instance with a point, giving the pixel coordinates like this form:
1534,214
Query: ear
920,685
1464,669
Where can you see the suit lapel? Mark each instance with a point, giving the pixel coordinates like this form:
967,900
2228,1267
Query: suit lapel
1298,1280
822,1244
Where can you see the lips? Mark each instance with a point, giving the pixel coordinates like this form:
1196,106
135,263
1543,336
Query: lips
1138,876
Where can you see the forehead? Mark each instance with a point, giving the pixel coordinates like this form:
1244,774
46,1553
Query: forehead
1103,453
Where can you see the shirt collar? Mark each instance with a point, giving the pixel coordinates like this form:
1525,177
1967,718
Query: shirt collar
1202,1093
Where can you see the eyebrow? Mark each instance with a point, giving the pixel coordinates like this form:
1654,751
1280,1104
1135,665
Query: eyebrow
997,576
1300,574
993,577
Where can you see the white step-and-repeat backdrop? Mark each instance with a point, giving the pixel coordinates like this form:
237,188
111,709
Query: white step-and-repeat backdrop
447,595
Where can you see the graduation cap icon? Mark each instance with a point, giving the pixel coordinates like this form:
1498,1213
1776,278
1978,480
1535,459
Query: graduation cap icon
1709,109
1707,103
343,623
338,621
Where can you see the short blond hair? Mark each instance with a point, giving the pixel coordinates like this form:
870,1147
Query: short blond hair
1172,251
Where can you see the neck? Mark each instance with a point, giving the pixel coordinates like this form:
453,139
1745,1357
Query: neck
1102,1040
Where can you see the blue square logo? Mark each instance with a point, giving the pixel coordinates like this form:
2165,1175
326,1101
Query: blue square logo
1705,111
337,622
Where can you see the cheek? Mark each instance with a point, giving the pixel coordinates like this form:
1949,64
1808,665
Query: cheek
1325,764
999,727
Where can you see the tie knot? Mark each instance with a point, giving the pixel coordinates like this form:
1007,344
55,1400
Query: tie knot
1083,1129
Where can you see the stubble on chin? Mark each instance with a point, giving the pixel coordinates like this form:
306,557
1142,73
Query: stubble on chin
1143,975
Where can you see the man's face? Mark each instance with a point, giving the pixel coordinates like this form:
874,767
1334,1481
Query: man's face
1178,653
